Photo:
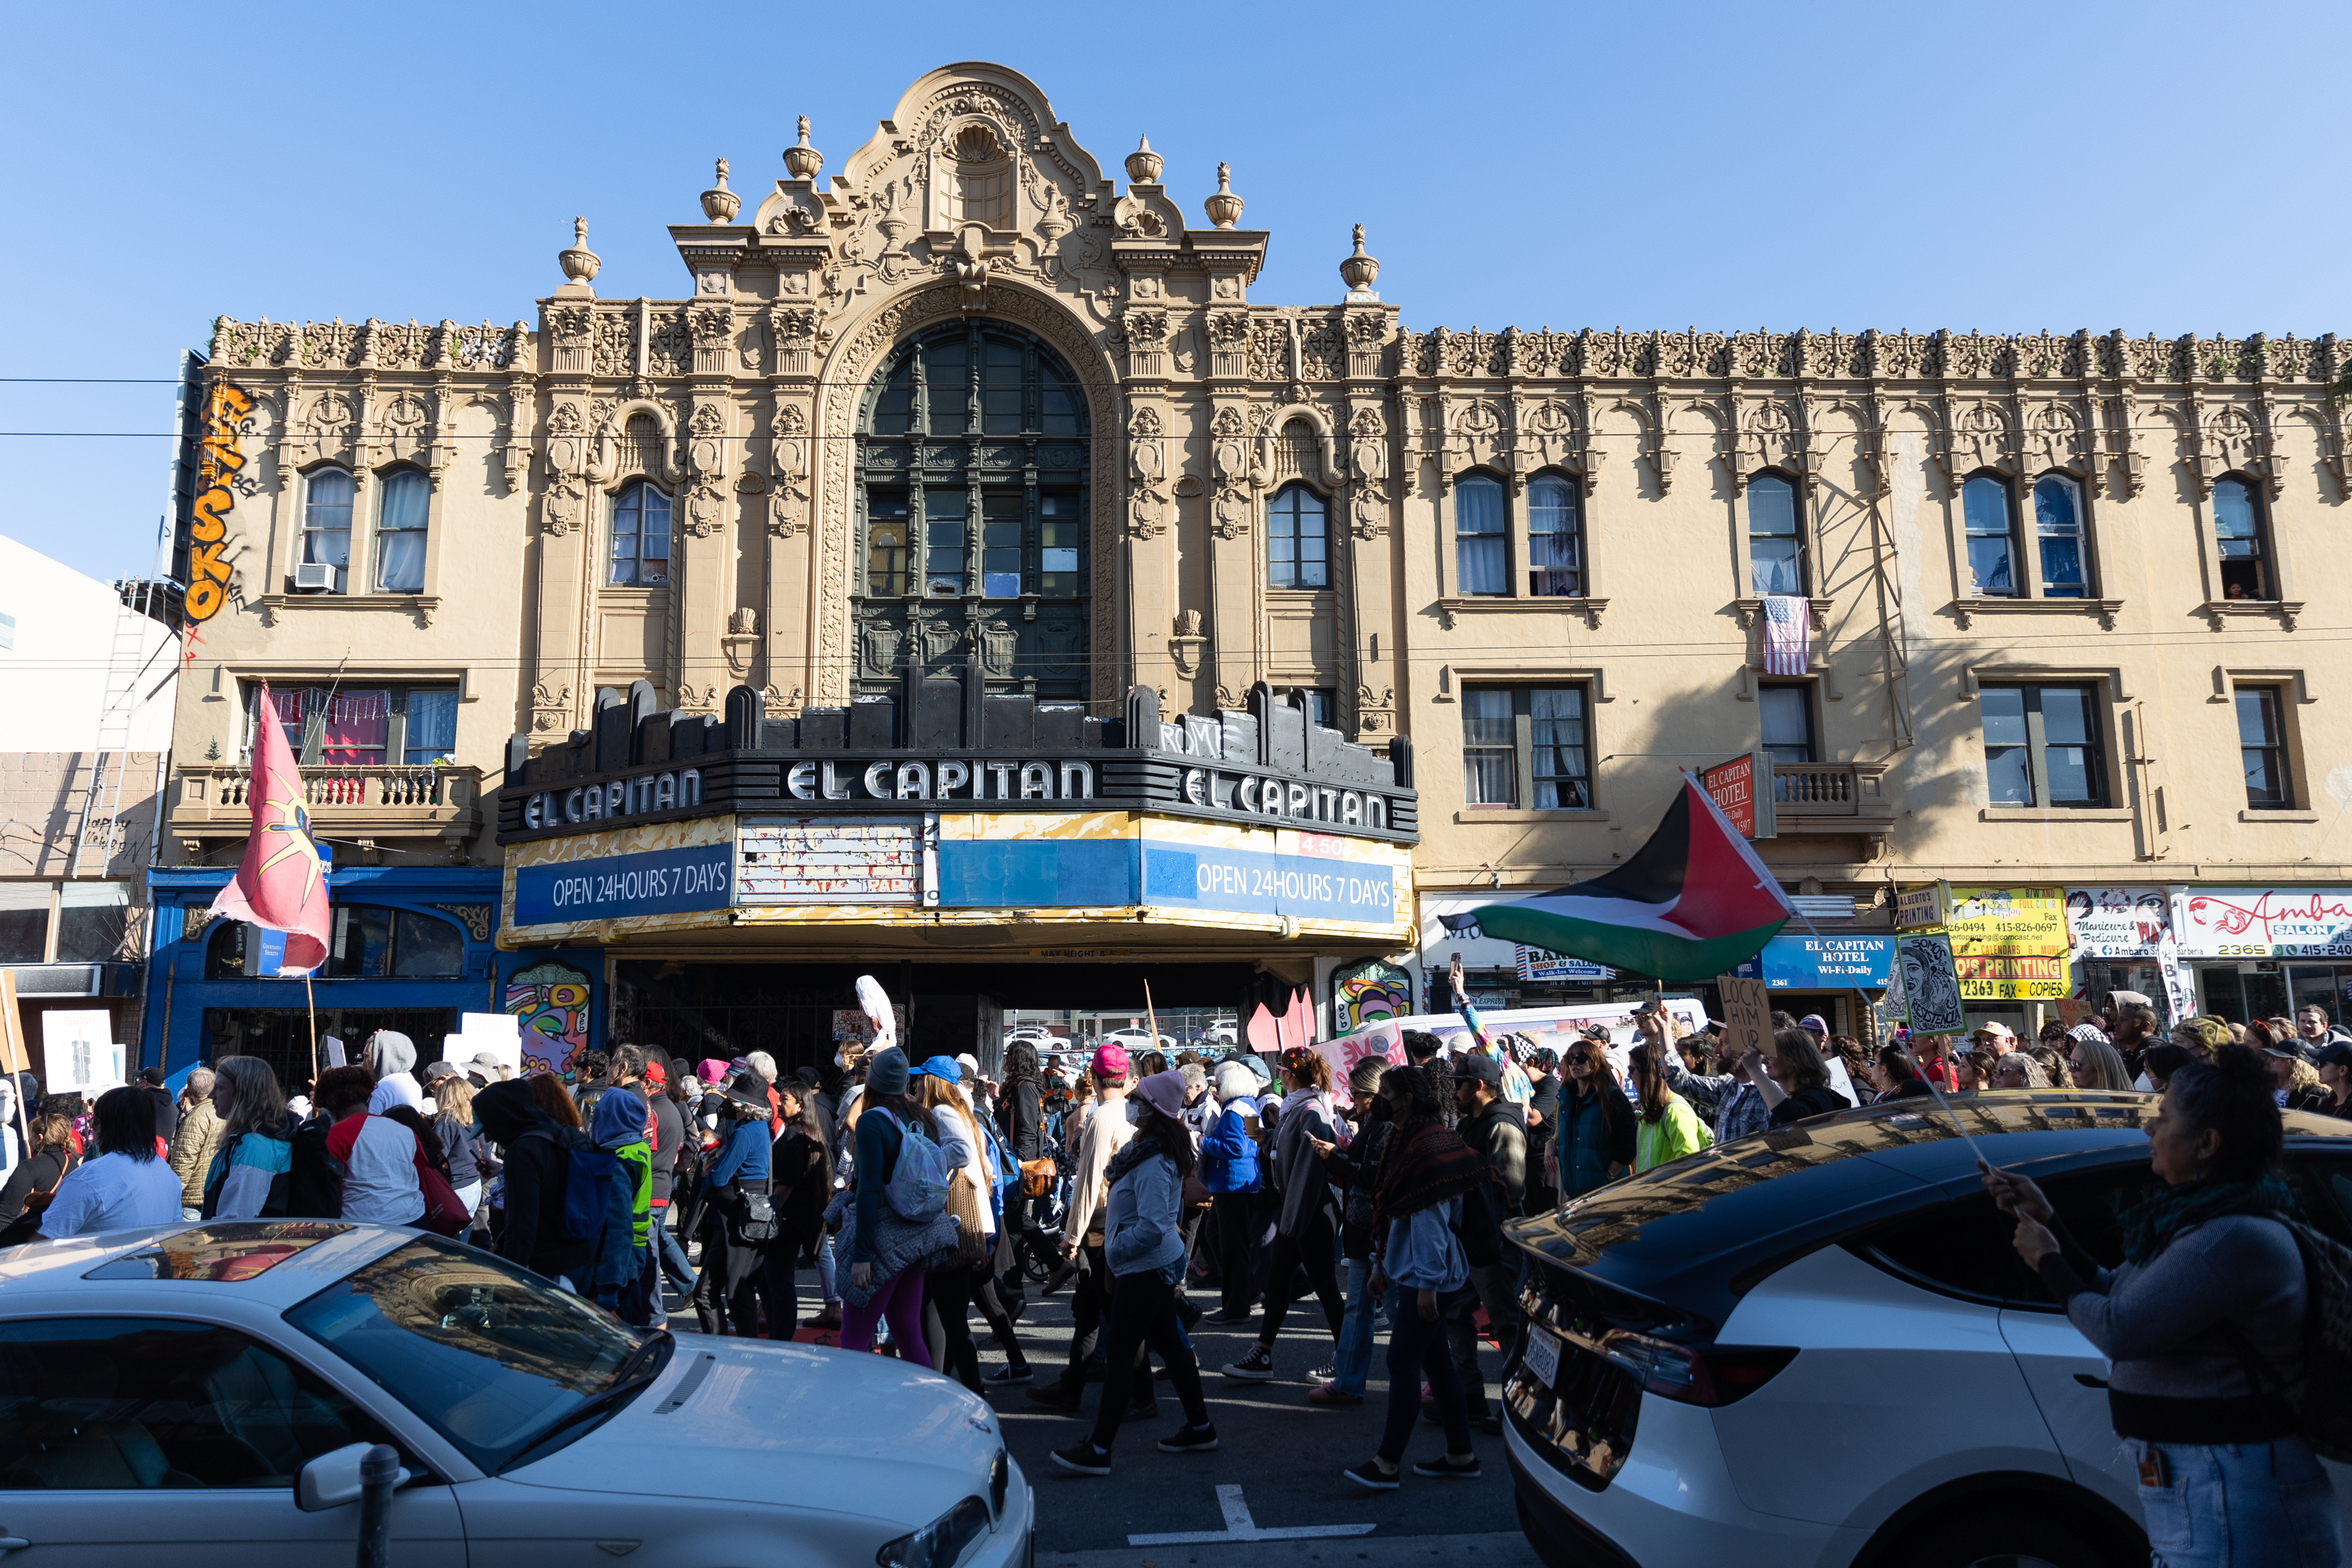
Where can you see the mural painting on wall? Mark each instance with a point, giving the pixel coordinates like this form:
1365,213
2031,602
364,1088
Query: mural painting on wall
220,459
1368,992
551,1001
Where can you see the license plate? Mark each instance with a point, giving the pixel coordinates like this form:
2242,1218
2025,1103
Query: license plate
1543,1356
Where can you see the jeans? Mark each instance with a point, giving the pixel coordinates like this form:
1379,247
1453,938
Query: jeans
671,1253
1417,1351
1143,1311
2240,1505
1497,1286
1354,1362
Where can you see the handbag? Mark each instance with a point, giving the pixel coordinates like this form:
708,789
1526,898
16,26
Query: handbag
443,1214
963,1207
756,1221
1036,1178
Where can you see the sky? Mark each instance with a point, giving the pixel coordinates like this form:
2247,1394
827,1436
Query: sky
1998,167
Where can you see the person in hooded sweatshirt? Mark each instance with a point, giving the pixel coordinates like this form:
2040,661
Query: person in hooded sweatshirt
381,1158
391,1056
538,1166
618,1126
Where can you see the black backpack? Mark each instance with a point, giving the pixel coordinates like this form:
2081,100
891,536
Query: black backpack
2322,1402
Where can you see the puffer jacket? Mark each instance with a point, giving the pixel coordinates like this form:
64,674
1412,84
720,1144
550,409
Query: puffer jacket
1229,1161
192,1148
1139,1233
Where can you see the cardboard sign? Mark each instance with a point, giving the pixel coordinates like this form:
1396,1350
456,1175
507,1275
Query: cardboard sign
1746,1015
499,1033
14,1056
79,1053
1931,982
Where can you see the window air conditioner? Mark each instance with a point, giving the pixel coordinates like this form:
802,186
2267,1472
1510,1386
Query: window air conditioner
313,577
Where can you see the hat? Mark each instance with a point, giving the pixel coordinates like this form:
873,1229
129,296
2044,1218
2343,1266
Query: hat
432,1073
1164,1093
487,1062
1653,1006
711,1070
945,1068
1598,1031
2089,1032
2333,1054
2130,998
1110,1061
886,1073
1815,1024
1479,1068
970,1063
1234,1081
2287,1047
1994,1026
1255,1066
657,1074
747,1088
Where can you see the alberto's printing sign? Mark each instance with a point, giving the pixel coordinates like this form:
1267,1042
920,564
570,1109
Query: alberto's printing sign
2264,922
2009,921
616,887
1822,962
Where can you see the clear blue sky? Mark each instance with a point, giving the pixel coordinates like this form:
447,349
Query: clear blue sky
1999,165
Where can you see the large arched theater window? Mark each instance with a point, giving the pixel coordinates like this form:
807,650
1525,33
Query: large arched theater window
971,467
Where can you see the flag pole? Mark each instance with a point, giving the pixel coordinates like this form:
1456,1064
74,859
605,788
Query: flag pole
310,1005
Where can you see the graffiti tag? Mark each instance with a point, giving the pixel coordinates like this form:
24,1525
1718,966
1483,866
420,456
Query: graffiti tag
219,457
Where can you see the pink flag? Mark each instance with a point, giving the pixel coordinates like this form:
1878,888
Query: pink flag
280,884
1788,635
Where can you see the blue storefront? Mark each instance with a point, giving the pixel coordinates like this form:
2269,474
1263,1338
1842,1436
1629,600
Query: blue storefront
1818,972
412,949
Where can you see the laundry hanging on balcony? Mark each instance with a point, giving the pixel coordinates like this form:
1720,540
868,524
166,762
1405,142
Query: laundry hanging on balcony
1692,903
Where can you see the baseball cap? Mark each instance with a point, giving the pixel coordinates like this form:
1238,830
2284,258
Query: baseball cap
1110,1060
970,1063
1594,1032
945,1067
657,1074
1815,1024
1484,1069
1994,1026
432,1073
2335,1053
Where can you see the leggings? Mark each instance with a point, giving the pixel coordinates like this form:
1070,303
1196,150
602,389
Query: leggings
901,1299
711,1296
1143,1311
950,1289
1228,1217
780,1261
1417,1351
1000,1321
1317,1248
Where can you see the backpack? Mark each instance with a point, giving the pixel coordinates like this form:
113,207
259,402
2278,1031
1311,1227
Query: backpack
1005,1170
917,1187
2322,1402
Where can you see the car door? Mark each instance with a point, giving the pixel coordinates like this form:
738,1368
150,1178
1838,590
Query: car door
127,1438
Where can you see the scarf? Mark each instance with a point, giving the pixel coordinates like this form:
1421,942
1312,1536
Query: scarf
1133,1153
2150,1225
1426,1163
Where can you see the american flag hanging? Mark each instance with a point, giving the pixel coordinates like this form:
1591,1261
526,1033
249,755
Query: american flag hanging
1788,635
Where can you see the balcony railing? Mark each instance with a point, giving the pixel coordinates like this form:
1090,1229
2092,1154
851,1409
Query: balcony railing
1828,789
388,801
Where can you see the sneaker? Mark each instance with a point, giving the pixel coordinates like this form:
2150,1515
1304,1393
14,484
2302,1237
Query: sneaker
828,1319
1141,1410
1234,1319
1325,1373
1057,1395
1083,1459
1369,1476
1436,1469
1255,1367
1329,1393
1008,1376
1190,1440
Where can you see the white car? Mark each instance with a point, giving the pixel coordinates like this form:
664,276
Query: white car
202,1394
1817,1346
1140,1040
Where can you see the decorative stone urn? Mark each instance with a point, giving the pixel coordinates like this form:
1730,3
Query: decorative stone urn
1143,164
800,159
721,204
1359,271
579,263
1224,208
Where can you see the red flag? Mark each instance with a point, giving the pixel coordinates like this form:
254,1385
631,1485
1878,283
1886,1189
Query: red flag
280,884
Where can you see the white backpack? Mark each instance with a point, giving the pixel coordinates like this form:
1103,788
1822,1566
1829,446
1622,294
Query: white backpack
917,1187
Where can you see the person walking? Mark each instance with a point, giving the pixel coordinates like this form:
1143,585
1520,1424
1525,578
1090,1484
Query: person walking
1230,1172
1144,1252
1021,1121
126,1186
1665,1127
1353,1168
33,1184
800,1181
1793,1079
194,1144
379,1156
1104,1134
1490,1124
889,1251
250,1175
537,1153
391,1056
456,1131
938,1087
1543,1126
1420,1267
1592,1144
2204,1325
726,1296
1307,1228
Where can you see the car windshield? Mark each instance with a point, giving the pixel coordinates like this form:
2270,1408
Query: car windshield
487,1352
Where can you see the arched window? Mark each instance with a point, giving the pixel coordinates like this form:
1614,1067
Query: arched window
973,479
984,178
2058,528
1776,550
640,537
1555,539
400,532
1482,541
326,523
2245,552
1297,539
1991,528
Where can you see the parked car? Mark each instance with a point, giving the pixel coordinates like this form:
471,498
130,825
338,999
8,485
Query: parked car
203,1394
1816,1345
1140,1040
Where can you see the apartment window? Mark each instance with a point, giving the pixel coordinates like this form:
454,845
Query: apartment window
2058,529
326,523
400,532
640,537
2262,742
1297,542
1555,539
352,726
92,923
886,545
1525,744
1776,551
2043,745
1992,537
1787,715
1482,544
1322,703
2238,528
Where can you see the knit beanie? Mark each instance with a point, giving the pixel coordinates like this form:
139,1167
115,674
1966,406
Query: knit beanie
886,1072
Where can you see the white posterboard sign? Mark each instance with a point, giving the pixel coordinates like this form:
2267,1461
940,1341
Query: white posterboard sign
79,1051
499,1033
332,1049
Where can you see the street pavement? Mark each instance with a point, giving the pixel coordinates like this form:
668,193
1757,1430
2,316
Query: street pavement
1283,1456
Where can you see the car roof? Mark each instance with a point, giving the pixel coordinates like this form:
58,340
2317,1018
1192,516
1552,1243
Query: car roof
1686,1239
219,1256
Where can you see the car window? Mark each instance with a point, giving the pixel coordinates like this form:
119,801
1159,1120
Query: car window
491,1354
1965,1247
120,1404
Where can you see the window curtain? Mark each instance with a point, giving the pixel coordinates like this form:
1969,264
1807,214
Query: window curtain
1557,719
432,726
400,543
1481,547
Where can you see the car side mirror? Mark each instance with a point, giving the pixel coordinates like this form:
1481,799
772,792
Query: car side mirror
331,1480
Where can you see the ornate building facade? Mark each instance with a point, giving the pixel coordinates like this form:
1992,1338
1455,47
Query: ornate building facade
969,402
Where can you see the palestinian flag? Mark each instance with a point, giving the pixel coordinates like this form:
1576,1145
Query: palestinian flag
1694,903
